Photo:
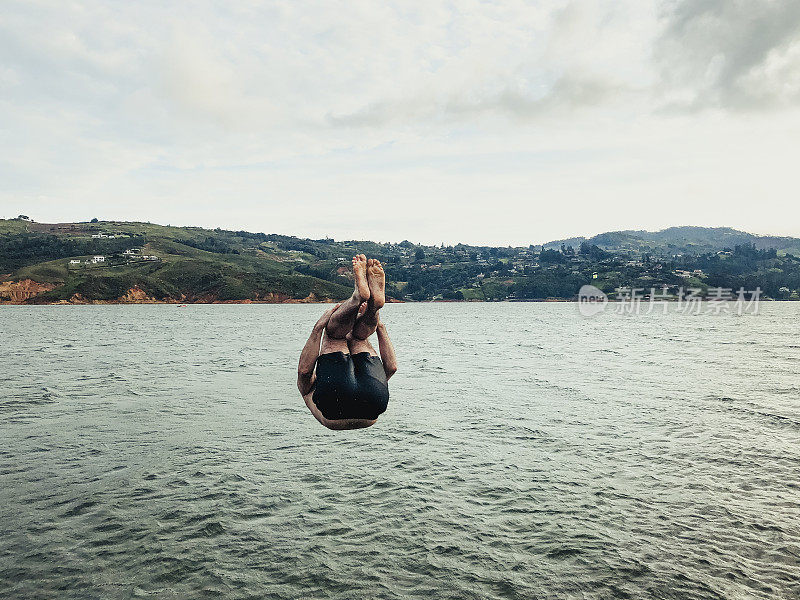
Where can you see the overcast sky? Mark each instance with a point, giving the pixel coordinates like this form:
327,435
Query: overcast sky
504,122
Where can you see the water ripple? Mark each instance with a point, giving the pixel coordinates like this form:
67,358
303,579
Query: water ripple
527,453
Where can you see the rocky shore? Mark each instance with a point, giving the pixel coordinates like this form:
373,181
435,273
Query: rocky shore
28,291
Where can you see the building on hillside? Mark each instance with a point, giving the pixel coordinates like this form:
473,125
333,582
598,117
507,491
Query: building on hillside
98,259
75,261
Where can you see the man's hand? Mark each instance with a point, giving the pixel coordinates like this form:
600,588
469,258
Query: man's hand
326,316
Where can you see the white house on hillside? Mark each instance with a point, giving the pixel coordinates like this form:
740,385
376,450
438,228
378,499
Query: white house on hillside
98,259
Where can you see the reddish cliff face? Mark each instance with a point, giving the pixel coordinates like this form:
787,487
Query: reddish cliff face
137,295
17,292
310,299
21,291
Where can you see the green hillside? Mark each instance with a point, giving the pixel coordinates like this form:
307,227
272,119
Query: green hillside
147,262
187,264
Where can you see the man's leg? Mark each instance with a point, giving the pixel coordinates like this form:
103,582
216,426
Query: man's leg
342,321
357,346
367,323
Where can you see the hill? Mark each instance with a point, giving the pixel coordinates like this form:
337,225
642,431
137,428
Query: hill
111,261
146,262
682,240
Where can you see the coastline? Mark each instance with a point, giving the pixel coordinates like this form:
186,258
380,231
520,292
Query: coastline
31,293
316,301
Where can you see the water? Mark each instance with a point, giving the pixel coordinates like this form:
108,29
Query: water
164,452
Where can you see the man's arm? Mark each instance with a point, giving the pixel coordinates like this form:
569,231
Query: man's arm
310,353
386,349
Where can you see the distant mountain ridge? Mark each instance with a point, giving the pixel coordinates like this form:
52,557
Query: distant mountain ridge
680,240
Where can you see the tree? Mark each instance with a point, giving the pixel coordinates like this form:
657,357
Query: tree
94,220
592,251
24,218
551,256
419,254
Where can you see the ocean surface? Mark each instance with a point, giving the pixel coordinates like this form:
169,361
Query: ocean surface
528,452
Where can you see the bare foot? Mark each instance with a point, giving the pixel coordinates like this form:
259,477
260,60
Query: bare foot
360,275
377,283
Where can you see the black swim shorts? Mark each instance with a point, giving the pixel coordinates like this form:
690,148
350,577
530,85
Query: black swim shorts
350,386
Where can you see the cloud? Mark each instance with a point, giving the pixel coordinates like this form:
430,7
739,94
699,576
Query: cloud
515,101
547,63
730,54
465,111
